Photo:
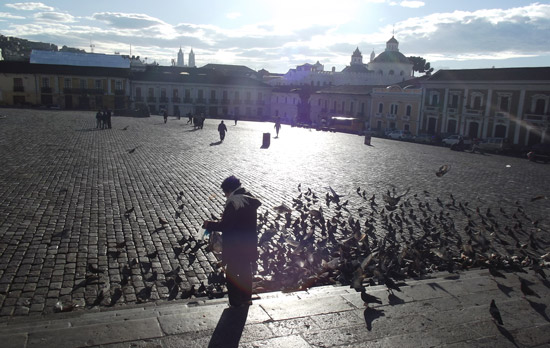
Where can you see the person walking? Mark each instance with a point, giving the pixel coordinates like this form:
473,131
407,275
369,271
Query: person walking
222,129
236,119
239,240
277,127
190,116
165,115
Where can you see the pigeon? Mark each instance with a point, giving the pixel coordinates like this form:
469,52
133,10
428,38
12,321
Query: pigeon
162,222
442,170
129,211
121,245
125,128
132,150
117,294
495,313
367,298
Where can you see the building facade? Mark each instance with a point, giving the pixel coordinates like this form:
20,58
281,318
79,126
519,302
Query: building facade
180,91
395,108
511,103
340,101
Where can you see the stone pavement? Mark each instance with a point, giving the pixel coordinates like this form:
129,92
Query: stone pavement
442,311
65,188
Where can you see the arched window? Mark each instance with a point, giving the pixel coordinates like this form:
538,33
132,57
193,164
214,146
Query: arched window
380,72
391,72
381,107
408,110
402,73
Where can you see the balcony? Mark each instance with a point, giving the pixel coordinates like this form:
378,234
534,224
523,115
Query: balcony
176,100
452,111
18,89
378,115
260,102
213,101
391,116
46,90
537,117
139,98
119,92
83,91
405,118
473,112
188,100
163,100
237,101
429,108
501,114
200,101
151,99
225,101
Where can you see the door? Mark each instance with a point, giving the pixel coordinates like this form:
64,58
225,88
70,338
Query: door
431,125
473,129
68,102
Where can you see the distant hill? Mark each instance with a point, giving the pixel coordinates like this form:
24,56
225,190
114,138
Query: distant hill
14,48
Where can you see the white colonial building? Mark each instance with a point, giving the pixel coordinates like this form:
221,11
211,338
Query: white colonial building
388,68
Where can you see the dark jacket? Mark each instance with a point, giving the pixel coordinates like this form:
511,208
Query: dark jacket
222,128
238,227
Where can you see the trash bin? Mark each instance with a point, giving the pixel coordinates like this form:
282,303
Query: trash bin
266,140
367,138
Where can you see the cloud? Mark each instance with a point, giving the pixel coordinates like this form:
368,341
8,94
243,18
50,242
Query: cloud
233,15
30,6
412,4
54,17
127,20
5,15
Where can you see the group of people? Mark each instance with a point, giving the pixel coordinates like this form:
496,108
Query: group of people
103,119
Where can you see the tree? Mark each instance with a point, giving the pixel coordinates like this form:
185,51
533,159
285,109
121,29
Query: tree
420,65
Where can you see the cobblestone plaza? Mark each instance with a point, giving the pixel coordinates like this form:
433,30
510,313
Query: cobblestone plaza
65,187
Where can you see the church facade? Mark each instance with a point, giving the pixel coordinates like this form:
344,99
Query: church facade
389,67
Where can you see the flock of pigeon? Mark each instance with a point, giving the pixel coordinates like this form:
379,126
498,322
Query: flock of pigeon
357,239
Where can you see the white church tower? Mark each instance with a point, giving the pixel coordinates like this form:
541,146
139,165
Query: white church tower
191,59
180,58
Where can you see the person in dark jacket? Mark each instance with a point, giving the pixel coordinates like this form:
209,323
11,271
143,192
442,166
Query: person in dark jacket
222,129
239,240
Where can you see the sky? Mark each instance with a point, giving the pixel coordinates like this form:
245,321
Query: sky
279,35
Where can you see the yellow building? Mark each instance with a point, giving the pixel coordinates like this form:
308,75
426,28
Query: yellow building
395,108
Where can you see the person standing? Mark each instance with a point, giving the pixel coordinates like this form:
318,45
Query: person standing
165,115
236,119
222,129
108,118
239,240
98,119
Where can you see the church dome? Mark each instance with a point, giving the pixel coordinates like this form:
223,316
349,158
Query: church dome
392,40
356,53
391,57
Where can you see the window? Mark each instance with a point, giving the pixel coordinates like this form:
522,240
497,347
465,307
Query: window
380,72
351,107
539,104
201,94
393,109
391,72
187,94
151,92
98,84
408,110
83,84
454,101
434,98
212,94
248,98
343,107
406,127
18,85
175,93
118,85
67,83
380,108
402,73
138,92
45,82
504,103
477,102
